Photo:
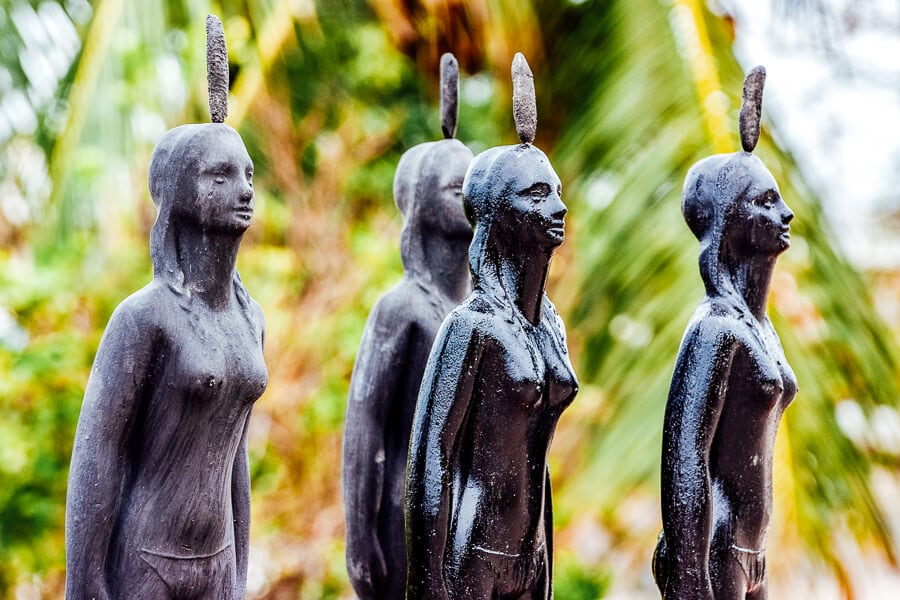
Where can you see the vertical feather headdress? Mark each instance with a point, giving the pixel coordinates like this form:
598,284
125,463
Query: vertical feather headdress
751,108
216,69
524,103
449,95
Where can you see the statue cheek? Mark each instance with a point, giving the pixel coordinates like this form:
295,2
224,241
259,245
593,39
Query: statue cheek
207,198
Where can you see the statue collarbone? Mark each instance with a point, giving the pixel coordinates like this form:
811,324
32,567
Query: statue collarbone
534,359
224,349
759,370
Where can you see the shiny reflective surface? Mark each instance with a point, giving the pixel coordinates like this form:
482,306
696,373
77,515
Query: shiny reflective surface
730,387
479,519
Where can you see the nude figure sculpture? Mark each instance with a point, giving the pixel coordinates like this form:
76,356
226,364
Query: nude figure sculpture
158,504
395,347
479,522
731,382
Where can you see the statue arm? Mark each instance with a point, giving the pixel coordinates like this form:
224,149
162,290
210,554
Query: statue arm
380,363
444,400
240,509
548,528
696,396
240,485
99,455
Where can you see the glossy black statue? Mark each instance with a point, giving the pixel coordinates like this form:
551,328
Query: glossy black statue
479,522
395,347
731,382
158,502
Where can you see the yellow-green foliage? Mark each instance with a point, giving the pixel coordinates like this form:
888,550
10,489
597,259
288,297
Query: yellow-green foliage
327,96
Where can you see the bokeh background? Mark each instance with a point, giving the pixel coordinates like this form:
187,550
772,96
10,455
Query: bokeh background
327,95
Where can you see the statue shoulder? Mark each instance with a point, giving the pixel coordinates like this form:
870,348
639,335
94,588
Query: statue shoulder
395,309
480,316
149,308
715,322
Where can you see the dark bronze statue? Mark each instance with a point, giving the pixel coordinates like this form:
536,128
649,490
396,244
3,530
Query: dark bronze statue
158,502
479,522
731,383
395,347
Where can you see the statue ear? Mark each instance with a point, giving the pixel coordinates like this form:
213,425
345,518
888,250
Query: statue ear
449,95
216,69
751,108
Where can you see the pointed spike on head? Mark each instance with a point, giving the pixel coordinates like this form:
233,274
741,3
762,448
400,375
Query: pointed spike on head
216,69
751,108
524,103
449,95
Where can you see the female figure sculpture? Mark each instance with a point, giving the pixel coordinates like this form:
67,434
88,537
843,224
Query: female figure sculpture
158,501
394,348
731,383
479,522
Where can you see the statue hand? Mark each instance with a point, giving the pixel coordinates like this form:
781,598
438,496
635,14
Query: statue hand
367,569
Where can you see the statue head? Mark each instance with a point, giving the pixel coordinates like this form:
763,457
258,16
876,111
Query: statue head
428,181
512,195
732,203
200,175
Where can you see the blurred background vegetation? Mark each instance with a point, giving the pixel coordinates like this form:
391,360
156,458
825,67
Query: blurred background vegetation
327,96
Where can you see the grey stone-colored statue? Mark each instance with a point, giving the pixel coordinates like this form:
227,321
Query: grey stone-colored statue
395,347
731,383
479,519
158,503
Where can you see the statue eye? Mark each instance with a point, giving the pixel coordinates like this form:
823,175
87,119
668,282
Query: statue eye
454,188
538,191
219,178
766,200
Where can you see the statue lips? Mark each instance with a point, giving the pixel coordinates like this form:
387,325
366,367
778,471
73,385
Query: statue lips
243,208
556,230
244,213
786,235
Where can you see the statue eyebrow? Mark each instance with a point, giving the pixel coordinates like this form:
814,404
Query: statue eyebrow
769,194
220,167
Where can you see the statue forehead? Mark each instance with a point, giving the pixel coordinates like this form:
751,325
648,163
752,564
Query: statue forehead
752,177
453,161
517,167
530,168
223,145
739,174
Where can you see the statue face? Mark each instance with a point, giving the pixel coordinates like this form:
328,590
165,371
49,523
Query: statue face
761,223
537,210
444,210
224,186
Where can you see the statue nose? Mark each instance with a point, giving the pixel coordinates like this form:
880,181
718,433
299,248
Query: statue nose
560,211
787,216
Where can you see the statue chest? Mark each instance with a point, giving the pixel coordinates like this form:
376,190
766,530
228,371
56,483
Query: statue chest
217,359
536,371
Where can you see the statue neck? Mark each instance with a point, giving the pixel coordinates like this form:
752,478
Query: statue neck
446,261
752,277
523,276
207,260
